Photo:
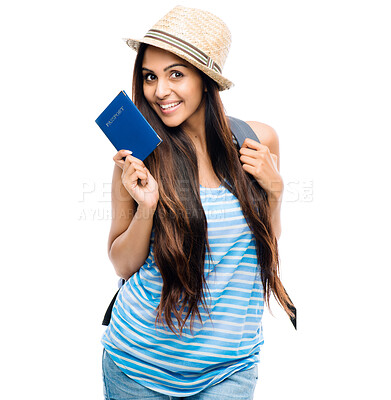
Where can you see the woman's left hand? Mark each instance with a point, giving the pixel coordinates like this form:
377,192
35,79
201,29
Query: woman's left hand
257,160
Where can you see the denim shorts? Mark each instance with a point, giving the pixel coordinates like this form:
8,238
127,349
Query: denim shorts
118,386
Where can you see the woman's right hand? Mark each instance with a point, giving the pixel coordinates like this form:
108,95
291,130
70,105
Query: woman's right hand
137,180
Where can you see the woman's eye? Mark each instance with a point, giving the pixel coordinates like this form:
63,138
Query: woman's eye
149,77
176,74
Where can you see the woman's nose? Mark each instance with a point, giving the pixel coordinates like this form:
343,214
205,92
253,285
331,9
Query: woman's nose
162,89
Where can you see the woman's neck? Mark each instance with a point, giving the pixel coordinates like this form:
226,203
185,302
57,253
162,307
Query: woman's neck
194,127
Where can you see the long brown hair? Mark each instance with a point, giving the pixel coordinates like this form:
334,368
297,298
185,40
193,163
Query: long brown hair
180,225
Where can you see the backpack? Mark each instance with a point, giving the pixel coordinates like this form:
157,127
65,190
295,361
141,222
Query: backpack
240,131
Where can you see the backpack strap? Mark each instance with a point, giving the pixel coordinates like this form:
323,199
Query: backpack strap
107,317
240,131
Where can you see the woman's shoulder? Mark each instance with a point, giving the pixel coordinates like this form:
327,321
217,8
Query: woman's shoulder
266,135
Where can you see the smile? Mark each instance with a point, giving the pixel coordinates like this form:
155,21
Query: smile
167,108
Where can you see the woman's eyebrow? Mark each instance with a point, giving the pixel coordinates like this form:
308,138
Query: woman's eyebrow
165,69
175,65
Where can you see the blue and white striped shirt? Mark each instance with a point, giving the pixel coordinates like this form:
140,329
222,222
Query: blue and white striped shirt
183,366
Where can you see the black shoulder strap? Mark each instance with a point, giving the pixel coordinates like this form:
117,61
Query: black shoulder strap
107,317
240,131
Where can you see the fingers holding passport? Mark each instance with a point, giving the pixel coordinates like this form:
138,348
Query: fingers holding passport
119,157
137,180
133,171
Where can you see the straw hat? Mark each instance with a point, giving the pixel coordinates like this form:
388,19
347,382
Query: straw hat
197,36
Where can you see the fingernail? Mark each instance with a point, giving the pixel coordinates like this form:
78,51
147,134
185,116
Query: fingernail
128,152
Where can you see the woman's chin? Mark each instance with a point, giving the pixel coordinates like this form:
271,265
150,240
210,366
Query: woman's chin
171,122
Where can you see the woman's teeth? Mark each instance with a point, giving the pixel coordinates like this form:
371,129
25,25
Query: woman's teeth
167,106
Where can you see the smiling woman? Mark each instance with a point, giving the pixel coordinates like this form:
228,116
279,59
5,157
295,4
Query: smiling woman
198,242
173,88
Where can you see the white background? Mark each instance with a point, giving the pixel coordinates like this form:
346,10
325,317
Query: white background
318,72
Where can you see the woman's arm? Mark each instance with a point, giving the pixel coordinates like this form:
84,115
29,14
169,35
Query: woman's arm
268,137
275,209
130,232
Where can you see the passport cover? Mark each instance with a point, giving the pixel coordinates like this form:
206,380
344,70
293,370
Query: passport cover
126,127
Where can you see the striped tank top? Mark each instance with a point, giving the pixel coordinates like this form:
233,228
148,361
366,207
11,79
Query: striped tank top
227,342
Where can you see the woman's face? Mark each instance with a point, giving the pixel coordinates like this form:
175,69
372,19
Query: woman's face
172,87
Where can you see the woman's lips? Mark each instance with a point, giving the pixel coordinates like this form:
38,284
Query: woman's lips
170,107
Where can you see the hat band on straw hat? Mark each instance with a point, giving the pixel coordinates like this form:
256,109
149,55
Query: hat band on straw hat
186,47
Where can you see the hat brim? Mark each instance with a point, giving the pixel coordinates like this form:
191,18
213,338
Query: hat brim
223,82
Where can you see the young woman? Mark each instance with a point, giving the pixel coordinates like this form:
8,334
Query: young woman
194,228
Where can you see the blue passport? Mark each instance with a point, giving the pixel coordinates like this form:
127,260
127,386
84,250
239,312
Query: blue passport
126,127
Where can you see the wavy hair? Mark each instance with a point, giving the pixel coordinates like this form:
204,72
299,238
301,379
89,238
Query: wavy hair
180,225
